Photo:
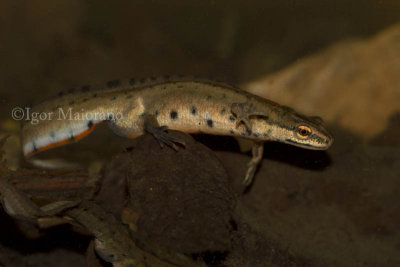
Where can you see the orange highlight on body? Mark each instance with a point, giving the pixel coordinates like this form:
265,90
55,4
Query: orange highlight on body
62,142
133,135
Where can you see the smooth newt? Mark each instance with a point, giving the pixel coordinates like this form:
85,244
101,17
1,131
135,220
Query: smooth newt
189,105
19,206
114,243
112,240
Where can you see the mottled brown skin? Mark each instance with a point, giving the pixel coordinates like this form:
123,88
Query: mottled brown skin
112,240
19,206
16,204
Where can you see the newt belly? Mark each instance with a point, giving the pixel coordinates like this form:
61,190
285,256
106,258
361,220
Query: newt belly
190,106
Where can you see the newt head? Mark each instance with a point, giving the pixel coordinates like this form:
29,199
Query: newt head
311,136
294,129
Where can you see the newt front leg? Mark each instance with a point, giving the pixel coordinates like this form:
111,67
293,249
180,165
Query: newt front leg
257,154
243,112
159,132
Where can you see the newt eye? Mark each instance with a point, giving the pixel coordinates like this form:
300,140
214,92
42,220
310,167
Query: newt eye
303,131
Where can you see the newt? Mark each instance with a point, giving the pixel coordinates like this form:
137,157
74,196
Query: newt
19,206
133,107
114,243
112,240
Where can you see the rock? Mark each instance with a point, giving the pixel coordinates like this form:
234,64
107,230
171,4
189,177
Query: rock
353,83
180,200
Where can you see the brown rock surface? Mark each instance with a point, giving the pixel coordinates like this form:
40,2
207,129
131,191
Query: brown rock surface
183,197
355,84
183,201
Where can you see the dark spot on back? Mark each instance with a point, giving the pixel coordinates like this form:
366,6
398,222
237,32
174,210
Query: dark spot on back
173,114
256,135
231,131
141,115
90,124
72,137
232,118
132,81
85,88
113,83
94,95
156,113
113,98
193,110
223,110
210,123
208,97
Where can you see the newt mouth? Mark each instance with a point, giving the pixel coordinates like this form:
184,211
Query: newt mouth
323,146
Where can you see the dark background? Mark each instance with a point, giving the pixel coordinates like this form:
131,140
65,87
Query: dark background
342,214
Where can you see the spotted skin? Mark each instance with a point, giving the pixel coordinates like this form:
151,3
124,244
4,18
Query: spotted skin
187,105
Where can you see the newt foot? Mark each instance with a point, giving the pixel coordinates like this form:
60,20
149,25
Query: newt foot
160,133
